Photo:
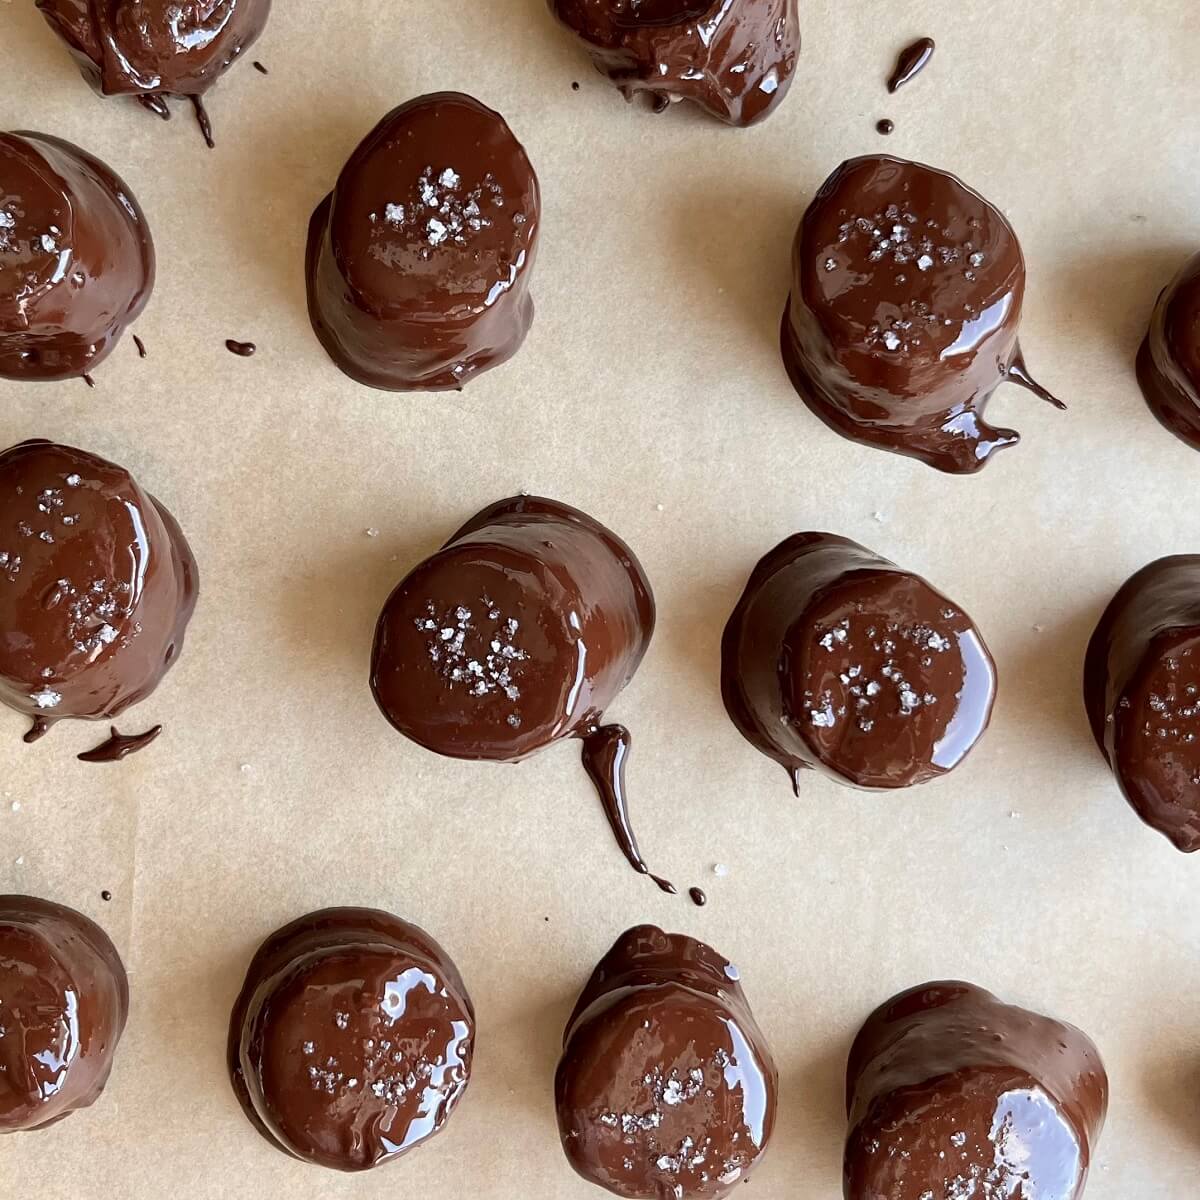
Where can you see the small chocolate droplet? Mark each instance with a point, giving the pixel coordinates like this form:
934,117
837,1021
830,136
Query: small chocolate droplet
885,126
141,346
89,381
242,349
912,61
106,896
575,85
260,68
699,899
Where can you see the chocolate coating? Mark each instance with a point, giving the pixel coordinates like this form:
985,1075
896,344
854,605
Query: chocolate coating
1168,364
906,296
156,48
1142,692
666,1086
64,998
97,584
419,260
351,1041
839,660
951,1093
76,259
734,58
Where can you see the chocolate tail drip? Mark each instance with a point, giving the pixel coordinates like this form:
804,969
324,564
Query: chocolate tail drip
794,776
157,105
1018,373
203,121
41,726
605,750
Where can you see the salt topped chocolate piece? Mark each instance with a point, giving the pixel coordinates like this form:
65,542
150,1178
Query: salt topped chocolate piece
902,322
839,660
419,260
951,1093
734,58
76,259
64,998
351,1041
666,1087
1168,364
156,49
97,585
519,632
1142,691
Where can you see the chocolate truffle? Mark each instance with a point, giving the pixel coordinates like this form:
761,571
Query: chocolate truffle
1168,364
156,48
64,998
666,1087
734,58
906,296
351,1041
519,632
419,260
839,660
1142,691
76,259
96,585
951,1093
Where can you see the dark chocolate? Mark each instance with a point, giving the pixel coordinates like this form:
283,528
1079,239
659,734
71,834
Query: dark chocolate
838,660
1142,692
951,1093
64,998
97,585
76,259
1168,363
885,126
518,633
911,61
37,730
419,260
260,68
156,49
734,58
698,898
906,297
119,746
141,346
666,1089
241,349
203,120
351,1041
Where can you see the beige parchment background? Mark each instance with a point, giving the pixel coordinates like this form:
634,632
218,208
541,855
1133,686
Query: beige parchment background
649,393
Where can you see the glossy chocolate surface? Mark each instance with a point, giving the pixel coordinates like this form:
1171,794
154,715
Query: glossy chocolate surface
352,1038
1142,691
155,48
734,58
97,584
64,998
906,297
666,1089
910,62
1168,364
953,1094
419,260
839,660
76,259
519,632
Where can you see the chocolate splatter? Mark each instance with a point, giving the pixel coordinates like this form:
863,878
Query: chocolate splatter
912,61
241,349
119,746
699,899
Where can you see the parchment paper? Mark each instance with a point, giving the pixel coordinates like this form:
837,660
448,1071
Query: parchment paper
650,393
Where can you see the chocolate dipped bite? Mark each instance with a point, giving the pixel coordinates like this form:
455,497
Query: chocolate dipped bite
351,1041
666,1087
76,259
1168,364
952,1093
155,49
838,660
1142,692
97,585
734,58
419,260
64,998
519,632
902,322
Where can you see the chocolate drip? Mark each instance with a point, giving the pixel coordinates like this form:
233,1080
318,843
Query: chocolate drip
911,62
1018,373
64,998
341,1010
59,205
1168,363
733,58
260,68
699,899
604,753
902,322
157,105
202,119
89,381
951,1092
119,746
885,126
141,346
241,349
41,727
666,1087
